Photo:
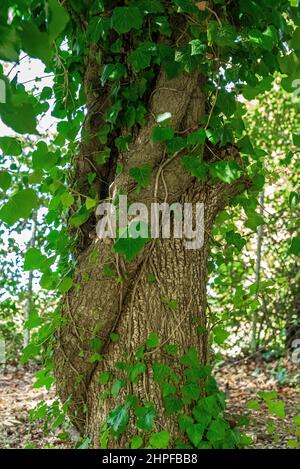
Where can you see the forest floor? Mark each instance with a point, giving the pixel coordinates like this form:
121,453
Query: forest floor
240,380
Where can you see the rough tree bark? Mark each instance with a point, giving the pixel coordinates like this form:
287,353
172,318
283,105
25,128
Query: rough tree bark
131,306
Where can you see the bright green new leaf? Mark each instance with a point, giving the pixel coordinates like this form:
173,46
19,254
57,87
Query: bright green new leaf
160,440
20,205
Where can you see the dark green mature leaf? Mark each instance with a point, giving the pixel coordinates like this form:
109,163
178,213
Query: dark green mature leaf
162,134
59,18
10,44
118,419
195,166
145,416
142,175
129,247
126,18
5,180
10,146
36,43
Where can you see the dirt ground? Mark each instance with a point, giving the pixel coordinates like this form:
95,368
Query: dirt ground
241,381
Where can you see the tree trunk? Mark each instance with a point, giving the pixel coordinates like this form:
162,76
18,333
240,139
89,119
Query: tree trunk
126,303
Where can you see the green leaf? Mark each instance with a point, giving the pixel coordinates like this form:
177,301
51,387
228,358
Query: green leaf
65,285
34,259
136,442
190,392
254,220
20,205
198,47
216,431
160,440
195,433
220,335
112,72
67,199
140,58
118,384
296,139
10,146
295,42
160,371
226,171
172,404
253,404
276,408
104,377
9,44
152,340
195,166
5,180
80,217
295,246
118,419
136,370
162,134
130,247
59,18
190,358
293,444
296,420
197,138
142,175
145,416
126,18
170,303
36,43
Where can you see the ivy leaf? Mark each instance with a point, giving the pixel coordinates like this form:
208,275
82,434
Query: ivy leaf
136,442
126,18
65,285
216,431
160,440
59,18
141,57
195,432
220,335
145,416
152,341
142,175
118,384
295,246
296,139
129,247
198,47
162,134
172,404
5,180
20,205
197,138
10,146
254,220
9,44
36,43
136,371
276,408
226,171
195,166
118,419
34,259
